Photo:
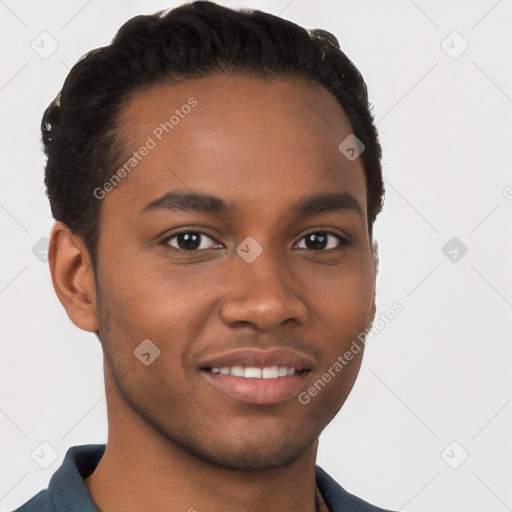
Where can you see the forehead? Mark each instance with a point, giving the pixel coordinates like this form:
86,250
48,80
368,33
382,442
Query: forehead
243,138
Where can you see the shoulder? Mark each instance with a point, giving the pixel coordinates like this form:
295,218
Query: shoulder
66,491
41,502
338,499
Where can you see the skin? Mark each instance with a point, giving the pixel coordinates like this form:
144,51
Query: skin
175,442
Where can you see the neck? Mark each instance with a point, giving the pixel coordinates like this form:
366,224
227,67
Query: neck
143,470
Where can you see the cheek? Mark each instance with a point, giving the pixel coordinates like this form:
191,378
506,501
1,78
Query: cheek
163,303
343,298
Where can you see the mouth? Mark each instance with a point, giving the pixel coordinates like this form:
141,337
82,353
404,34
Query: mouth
258,377
253,372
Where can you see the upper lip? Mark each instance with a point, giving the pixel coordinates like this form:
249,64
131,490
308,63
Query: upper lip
260,359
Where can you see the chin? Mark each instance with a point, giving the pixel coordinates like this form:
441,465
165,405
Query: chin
247,454
251,459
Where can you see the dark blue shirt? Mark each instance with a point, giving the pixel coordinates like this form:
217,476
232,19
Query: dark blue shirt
67,491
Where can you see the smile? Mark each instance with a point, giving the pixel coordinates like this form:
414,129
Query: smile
254,376
269,372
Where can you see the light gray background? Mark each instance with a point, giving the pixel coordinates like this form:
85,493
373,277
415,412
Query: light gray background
439,372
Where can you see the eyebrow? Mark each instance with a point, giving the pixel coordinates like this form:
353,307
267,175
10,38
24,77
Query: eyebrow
328,203
195,201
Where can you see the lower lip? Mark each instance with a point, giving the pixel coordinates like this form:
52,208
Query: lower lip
258,391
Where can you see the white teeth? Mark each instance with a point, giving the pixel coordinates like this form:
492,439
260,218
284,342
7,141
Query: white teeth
252,373
237,371
269,372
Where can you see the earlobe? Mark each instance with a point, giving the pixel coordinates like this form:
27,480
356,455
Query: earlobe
73,277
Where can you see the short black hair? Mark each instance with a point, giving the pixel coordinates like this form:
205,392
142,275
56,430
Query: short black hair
80,127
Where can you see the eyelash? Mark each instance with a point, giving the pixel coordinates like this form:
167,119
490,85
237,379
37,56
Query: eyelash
343,242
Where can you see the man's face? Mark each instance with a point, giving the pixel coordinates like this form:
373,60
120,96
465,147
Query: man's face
191,280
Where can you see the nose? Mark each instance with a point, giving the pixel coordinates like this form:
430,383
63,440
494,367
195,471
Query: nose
263,294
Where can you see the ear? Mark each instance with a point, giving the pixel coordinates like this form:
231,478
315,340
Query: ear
375,262
375,255
73,276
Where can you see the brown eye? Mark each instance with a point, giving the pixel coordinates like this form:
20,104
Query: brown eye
190,241
321,240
